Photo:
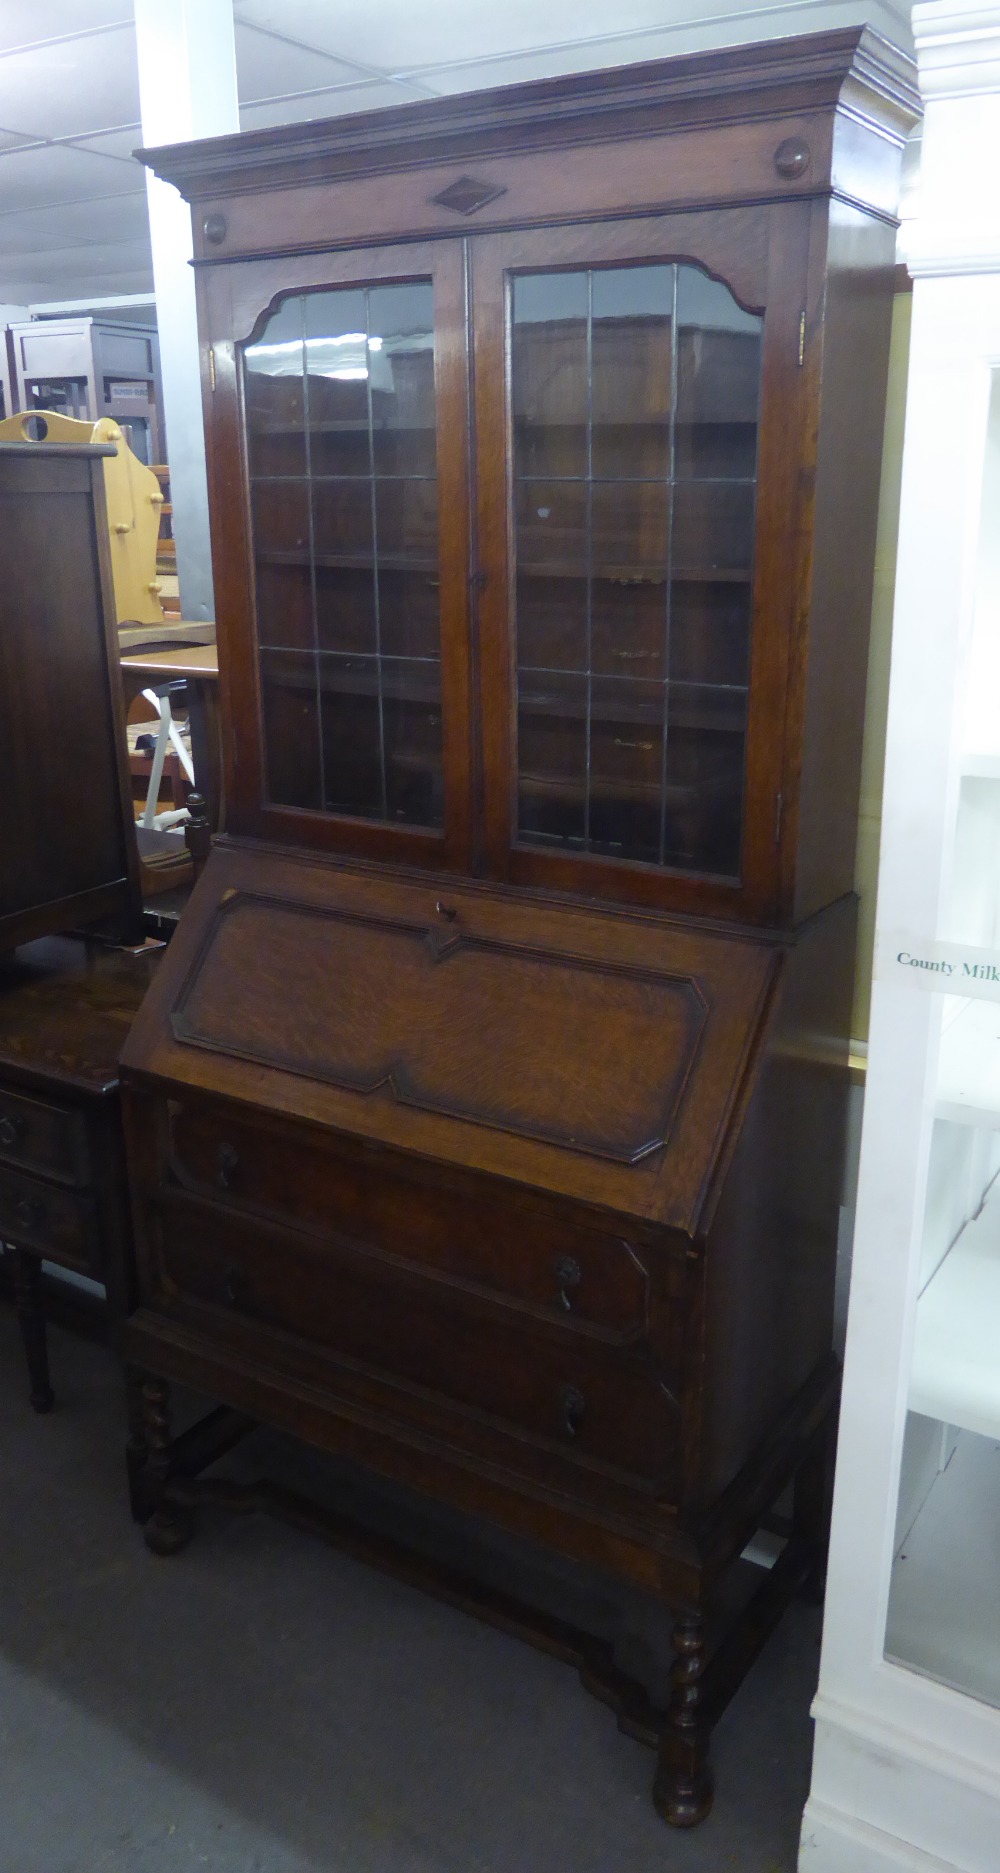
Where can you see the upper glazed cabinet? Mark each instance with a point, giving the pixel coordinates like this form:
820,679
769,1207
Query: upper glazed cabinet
543,477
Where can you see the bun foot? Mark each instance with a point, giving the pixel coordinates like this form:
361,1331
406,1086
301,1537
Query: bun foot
169,1529
683,1800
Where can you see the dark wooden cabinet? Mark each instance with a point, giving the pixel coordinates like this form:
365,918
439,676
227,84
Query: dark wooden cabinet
486,1120
69,855
65,1009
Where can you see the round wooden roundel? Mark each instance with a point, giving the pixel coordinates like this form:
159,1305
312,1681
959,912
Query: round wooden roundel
791,158
215,229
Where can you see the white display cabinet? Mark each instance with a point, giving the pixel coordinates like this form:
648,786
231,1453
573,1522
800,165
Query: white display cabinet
907,1760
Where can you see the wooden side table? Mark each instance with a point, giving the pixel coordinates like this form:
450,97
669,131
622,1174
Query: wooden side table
66,1005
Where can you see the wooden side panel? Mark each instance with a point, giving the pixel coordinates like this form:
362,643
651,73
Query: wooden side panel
856,324
68,849
771,1249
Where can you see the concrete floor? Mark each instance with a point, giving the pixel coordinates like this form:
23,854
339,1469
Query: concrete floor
261,1704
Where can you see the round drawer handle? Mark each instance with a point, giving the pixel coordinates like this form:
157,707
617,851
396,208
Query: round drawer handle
573,1405
28,1212
568,1276
792,158
215,229
227,1159
10,1129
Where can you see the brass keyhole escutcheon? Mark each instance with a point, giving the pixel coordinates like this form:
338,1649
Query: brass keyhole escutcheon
227,1160
568,1276
573,1406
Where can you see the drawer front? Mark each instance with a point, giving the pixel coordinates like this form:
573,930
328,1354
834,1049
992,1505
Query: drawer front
47,1138
529,1259
61,1224
596,1403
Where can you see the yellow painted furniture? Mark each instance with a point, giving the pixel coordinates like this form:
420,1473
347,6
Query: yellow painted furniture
133,497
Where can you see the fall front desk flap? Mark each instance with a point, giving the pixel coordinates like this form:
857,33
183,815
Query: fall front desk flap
596,1054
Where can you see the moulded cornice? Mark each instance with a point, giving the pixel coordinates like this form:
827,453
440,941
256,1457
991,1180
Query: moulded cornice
958,48
854,70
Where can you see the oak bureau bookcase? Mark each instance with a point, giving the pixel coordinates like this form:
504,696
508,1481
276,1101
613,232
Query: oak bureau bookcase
486,1116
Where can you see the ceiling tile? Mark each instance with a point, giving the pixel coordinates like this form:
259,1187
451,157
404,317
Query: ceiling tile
122,143
642,42
402,37
70,86
409,36
373,96
120,218
76,273
268,67
30,22
45,175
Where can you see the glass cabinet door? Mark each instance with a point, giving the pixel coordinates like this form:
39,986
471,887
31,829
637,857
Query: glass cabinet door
944,1592
634,395
360,624
633,398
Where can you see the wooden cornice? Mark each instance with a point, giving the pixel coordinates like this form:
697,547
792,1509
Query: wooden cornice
855,71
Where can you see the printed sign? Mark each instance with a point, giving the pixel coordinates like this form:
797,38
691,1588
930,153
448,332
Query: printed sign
938,966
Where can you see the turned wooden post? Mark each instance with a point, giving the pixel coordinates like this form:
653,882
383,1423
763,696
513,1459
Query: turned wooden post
27,1272
169,1526
197,833
682,1791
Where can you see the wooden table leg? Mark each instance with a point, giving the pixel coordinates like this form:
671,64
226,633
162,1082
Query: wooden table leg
27,1272
682,1792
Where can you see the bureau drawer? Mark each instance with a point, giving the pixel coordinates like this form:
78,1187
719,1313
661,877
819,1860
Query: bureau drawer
492,1246
47,1138
60,1224
554,1386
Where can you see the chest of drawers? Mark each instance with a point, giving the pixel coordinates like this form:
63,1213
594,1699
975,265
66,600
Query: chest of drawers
528,1207
65,1008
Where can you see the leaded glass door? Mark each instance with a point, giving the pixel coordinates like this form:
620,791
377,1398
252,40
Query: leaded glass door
354,414
632,398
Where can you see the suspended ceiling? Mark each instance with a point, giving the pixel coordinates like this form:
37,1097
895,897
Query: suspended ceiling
72,200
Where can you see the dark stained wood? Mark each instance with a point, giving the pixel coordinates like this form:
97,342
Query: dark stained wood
65,1009
31,1320
707,91
69,849
694,997
683,1788
510,1170
174,1489
857,317
198,833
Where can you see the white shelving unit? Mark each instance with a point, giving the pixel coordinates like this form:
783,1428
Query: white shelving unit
906,1771
968,1081
955,1374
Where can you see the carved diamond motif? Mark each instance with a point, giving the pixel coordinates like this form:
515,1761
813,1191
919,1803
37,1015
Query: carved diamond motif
466,195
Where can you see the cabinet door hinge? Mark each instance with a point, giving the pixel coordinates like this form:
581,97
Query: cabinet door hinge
779,807
802,338
211,366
